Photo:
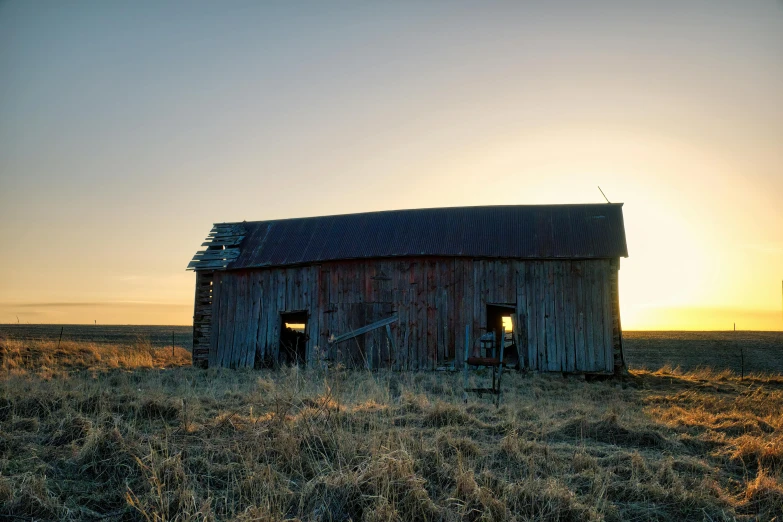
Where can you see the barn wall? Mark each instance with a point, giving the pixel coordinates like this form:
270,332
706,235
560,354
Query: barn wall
202,318
567,312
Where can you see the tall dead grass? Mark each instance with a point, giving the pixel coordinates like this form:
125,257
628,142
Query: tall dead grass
47,355
187,444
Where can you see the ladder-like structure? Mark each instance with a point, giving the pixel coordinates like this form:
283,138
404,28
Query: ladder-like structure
488,357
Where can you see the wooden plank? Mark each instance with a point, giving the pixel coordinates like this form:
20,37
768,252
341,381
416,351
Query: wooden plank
468,273
590,316
346,320
401,357
208,255
230,290
456,323
600,356
430,292
364,329
311,296
214,360
371,283
302,289
260,319
512,276
557,328
451,316
546,337
585,316
238,321
282,303
542,311
551,344
392,344
239,338
388,306
415,330
334,283
534,332
245,347
196,313
472,274
478,288
290,302
224,241
303,301
532,309
339,322
562,343
223,227
617,338
231,304
568,316
413,319
270,311
489,286
575,312
443,309
257,341
263,326
216,264
587,290
357,319
508,284
322,310
580,350
249,329
421,307
606,299
220,319
519,319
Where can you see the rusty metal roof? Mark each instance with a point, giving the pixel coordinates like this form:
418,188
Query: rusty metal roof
516,231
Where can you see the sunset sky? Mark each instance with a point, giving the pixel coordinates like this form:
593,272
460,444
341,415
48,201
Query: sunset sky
127,129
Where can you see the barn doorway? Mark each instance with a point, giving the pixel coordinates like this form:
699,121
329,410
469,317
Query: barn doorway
501,317
293,337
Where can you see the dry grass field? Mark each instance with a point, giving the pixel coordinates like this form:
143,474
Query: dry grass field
759,351
92,432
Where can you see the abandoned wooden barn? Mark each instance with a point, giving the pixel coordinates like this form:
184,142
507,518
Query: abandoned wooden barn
396,289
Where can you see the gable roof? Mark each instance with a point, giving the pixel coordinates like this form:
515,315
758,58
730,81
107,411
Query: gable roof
582,231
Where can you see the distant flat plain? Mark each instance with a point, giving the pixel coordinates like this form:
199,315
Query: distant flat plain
762,351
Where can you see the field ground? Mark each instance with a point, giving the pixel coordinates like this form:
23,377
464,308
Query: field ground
100,334
763,351
100,432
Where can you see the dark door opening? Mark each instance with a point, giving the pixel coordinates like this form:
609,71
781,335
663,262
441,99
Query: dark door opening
499,318
293,337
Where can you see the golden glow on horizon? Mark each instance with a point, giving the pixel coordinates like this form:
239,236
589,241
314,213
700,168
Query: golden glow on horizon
687,269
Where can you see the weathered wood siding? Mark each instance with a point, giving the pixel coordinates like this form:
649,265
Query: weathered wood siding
567,312
202,318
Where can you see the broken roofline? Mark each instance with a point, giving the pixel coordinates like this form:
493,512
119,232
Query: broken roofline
573,231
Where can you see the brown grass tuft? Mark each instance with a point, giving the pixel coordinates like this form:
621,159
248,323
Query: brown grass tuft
185,444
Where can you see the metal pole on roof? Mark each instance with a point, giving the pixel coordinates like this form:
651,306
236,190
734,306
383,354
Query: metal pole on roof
604,195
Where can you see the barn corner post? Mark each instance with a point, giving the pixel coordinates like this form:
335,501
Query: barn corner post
202,318
222,248
620,368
